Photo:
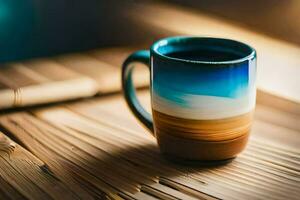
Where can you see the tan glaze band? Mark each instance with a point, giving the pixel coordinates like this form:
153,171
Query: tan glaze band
186,149
205,130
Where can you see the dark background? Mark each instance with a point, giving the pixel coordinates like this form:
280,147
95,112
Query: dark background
31,28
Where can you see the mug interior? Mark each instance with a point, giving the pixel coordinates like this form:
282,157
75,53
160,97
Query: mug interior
203,50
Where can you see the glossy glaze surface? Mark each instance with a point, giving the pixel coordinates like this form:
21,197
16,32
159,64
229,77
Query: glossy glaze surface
203,87
202,93
203,97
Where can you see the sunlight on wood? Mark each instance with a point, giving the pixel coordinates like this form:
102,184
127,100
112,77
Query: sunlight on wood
98,146
278,61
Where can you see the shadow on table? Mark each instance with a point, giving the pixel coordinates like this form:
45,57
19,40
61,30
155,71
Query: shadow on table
132,167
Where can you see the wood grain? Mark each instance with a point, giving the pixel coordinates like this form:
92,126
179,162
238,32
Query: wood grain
25,176
97,147
72,76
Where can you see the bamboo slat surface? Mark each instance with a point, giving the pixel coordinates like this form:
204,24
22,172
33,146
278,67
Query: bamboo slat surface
98,146
22,175
66,77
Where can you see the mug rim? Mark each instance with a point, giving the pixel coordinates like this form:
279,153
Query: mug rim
179,39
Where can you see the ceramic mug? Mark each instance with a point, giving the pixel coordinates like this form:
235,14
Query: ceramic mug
202,95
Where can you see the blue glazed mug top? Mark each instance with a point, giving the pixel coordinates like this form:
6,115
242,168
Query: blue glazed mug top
216,85
202,93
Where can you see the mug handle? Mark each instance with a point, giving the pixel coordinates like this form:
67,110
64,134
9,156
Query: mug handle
142,56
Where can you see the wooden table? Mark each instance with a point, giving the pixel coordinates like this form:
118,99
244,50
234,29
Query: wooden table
94,148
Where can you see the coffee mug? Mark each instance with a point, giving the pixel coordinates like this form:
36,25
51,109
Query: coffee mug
202,95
